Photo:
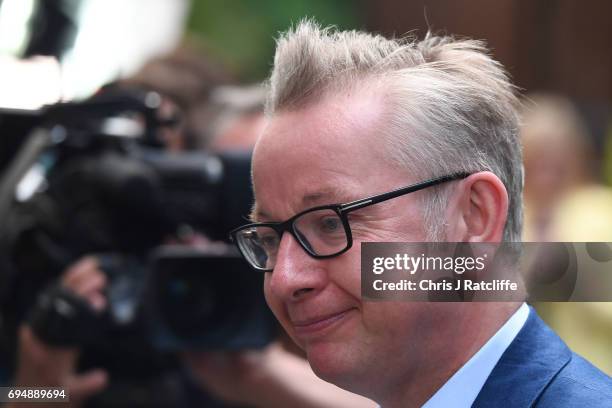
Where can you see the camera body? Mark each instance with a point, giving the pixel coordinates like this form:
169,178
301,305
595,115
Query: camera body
182,298
93,178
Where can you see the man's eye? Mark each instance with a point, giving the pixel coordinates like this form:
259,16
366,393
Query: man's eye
329,224
269,241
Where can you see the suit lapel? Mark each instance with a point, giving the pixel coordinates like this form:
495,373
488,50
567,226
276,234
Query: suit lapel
531,361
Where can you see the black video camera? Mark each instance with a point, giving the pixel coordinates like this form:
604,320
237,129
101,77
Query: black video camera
93,177
183,298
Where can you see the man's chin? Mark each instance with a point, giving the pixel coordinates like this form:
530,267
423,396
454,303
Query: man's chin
333,362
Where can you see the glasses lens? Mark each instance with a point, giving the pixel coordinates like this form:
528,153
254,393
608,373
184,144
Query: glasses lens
259,246
321,232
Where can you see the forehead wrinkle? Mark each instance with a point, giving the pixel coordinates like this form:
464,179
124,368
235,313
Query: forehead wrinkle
326,195
312,198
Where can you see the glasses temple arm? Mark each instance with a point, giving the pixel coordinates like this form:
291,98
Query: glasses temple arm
364,202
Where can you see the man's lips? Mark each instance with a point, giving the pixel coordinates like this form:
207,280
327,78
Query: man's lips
316,325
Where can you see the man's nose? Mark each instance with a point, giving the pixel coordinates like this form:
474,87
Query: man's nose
296,274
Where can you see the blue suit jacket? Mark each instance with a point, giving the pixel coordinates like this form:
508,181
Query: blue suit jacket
539,370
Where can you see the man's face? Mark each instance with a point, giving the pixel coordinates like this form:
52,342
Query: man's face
333,152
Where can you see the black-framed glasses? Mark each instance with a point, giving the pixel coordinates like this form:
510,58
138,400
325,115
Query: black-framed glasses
323,231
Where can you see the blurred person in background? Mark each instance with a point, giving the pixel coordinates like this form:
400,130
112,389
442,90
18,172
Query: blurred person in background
236,118
185,78
565,202
558,158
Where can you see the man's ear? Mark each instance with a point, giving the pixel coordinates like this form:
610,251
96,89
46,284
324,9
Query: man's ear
482,207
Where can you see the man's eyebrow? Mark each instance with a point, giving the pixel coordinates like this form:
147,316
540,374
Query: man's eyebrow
327,195
331,195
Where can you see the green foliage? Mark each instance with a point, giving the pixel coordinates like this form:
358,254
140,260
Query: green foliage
241,32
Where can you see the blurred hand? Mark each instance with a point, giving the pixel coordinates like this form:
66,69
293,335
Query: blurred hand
85,278
268,378
40,364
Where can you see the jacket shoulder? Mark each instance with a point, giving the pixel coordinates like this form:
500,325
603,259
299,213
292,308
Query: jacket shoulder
539,370
578,384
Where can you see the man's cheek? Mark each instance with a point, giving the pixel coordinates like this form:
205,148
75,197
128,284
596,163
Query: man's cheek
279,311
270,299
275,305
345,271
